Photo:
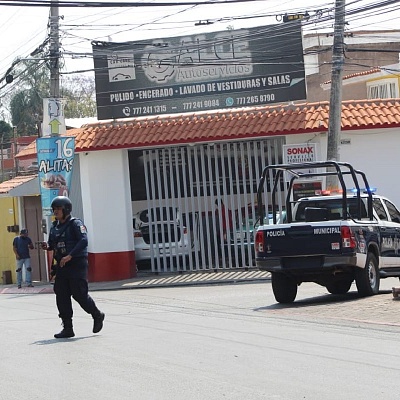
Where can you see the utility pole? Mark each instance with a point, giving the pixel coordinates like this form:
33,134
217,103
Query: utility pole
54,51
335,103
54,94
2,158
15,151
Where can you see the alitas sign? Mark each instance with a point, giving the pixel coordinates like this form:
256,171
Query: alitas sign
55,158
228,69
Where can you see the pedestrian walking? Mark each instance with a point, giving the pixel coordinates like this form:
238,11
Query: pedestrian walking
68,240
224,222
224,218
21,246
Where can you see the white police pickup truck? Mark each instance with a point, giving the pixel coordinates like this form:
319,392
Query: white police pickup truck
329,240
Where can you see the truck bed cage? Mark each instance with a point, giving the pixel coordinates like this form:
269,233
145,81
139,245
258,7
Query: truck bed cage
339,169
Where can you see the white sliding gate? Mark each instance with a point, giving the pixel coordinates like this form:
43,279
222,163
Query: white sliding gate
202,203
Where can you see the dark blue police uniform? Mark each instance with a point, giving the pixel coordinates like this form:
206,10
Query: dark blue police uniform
70,238
22,243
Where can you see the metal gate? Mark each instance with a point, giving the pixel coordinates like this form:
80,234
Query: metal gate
201,204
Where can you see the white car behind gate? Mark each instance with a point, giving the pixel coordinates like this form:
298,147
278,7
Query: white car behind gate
162,237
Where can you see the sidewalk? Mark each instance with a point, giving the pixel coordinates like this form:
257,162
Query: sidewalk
151,280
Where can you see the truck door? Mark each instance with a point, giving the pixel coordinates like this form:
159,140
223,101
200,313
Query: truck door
388,234
394,222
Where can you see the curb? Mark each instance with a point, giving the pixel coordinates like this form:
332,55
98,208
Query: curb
204,278
155,281
10,289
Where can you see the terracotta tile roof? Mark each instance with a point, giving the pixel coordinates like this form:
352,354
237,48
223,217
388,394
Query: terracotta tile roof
30,150
247,123
7,186
25,140
362,73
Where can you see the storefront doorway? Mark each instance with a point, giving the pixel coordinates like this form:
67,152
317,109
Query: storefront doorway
195,206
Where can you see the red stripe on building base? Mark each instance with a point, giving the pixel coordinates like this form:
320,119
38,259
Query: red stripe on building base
115,266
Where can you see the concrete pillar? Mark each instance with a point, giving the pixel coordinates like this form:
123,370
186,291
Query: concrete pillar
107,211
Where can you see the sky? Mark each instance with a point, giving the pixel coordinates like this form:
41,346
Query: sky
23,29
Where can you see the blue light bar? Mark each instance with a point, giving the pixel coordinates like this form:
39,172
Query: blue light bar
371,190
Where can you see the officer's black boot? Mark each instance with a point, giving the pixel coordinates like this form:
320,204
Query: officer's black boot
67,331
98,319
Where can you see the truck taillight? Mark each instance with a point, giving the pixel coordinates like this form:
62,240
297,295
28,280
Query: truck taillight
259,242
348,238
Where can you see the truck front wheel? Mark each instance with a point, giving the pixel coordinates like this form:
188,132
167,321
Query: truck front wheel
284,288
367,278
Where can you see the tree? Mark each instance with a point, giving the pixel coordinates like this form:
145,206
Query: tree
26,109
5,132
26,105
79,92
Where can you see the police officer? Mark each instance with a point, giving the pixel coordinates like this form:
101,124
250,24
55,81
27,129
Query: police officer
68,240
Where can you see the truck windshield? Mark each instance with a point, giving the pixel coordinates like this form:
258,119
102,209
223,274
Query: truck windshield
333,207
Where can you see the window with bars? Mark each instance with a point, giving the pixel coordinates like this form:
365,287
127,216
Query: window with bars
383,89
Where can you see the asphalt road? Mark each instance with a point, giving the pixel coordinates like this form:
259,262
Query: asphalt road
204,342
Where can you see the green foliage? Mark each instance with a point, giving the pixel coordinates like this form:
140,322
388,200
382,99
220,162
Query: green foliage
79,91
26,104
6,132
26,109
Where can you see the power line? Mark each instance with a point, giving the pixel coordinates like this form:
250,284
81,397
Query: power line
108,4
320,18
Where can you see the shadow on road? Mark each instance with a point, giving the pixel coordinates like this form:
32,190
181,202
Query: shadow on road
46,342
320,300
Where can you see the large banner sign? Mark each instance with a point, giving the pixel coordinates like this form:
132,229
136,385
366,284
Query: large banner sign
229,69
55,159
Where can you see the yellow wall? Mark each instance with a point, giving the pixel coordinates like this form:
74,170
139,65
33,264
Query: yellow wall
8,216
385,77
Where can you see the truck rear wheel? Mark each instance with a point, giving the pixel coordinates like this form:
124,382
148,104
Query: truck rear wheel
367,278
341,286
284,288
